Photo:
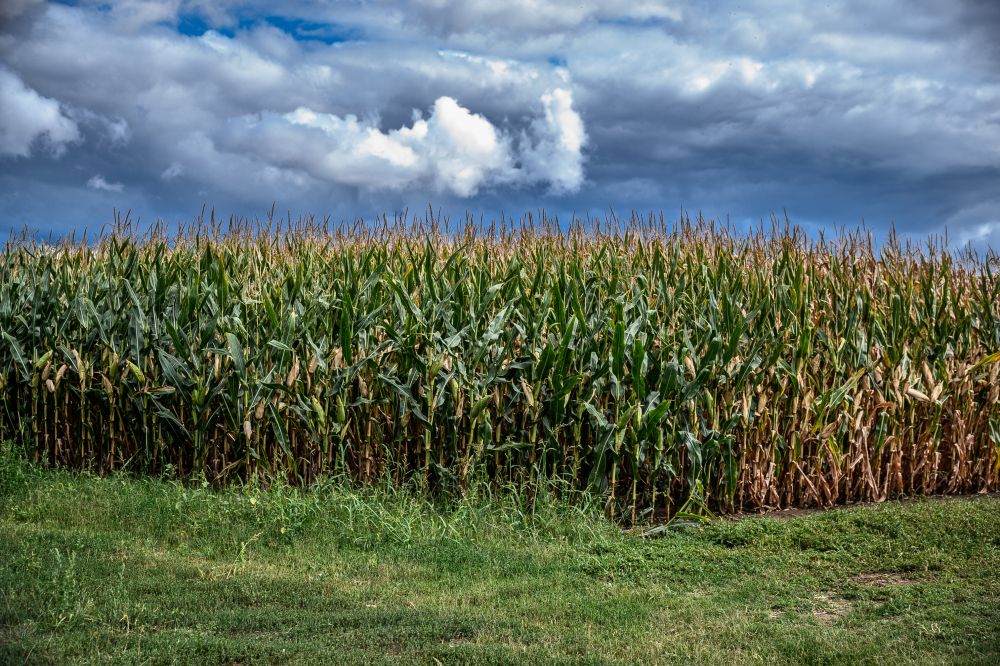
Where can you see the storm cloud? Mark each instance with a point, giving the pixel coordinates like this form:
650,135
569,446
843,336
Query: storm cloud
836,112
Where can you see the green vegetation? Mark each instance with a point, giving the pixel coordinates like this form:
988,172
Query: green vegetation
123,570
652,365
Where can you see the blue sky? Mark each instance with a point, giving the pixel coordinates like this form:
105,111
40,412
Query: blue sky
838,112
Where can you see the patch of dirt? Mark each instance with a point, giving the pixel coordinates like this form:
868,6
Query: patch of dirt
830,608
882,579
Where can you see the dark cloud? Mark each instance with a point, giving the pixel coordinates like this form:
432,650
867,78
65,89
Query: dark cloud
838,111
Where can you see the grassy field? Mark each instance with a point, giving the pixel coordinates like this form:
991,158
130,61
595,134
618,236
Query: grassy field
120,570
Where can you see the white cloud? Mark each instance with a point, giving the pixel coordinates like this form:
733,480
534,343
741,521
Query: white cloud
118,131
97,182
134,15
977,225
495,71
112,131
981,234
137,14
453,150
448,17
172,171
26,116
558,155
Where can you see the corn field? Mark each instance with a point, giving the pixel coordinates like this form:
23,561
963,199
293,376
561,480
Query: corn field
645,361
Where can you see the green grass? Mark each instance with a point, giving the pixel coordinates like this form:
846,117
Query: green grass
119,570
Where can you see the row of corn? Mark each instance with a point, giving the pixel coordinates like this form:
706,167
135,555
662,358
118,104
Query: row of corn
645,361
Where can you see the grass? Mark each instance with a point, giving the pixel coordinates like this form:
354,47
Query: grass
122,570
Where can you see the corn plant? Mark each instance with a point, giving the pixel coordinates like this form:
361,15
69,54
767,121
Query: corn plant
654,364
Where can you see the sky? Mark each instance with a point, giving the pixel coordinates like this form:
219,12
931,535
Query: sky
839,113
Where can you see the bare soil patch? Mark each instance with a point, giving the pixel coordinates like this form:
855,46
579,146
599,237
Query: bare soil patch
830,608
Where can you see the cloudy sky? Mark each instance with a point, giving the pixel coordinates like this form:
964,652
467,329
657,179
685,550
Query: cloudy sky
838,112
